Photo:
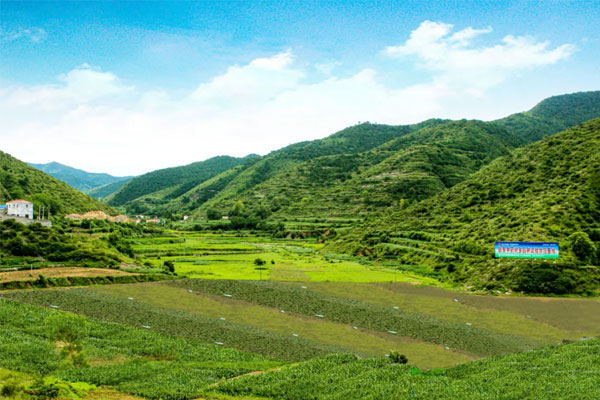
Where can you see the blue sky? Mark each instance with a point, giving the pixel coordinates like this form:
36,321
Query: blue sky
157,84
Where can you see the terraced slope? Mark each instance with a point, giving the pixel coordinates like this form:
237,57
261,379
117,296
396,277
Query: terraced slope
547,191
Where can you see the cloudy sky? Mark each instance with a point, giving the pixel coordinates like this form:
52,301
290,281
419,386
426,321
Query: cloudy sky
129,87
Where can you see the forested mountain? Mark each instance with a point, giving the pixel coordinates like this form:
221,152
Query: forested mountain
553,115
224,190
409,168
104,191
19,180
360,171
547,191
77,178
177,180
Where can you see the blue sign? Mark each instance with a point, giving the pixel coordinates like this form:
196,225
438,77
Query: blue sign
526,250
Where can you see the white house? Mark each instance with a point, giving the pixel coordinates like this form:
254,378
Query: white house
20,208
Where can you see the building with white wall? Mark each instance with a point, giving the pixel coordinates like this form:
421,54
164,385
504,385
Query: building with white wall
20,208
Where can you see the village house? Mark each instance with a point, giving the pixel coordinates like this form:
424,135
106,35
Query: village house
20,208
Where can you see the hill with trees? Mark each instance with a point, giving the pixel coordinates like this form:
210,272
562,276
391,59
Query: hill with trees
552,115
21,181
77,178
174,182
546,191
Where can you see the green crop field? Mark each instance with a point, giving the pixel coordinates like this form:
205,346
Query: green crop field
134,360
231,256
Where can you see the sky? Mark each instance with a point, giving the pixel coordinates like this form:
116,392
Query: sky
129,87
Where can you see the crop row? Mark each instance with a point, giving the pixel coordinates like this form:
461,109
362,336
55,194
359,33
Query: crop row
296,298
563,372
134,360
178,323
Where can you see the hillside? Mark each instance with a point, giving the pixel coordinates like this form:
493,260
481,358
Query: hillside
365,169
177,180
19,180
346,144
77,178
553,115
547,191
409,168
104,191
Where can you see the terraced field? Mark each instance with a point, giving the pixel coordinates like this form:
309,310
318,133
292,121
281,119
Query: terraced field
229,256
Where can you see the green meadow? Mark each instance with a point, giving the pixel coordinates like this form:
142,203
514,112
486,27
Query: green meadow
232,256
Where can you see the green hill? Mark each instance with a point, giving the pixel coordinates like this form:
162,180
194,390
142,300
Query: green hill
553,115
77,178
19,180
175,181
411,167
233,185
360,171
547,191
104,191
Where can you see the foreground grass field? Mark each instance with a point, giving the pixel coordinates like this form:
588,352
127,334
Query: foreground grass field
134,360
231,256
565,372
298,321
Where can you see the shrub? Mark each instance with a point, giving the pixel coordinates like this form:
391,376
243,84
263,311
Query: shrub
398,358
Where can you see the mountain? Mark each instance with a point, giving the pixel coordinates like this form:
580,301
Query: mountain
105,191
553,115
546,191
172,182
77,178
360,171
410,167
19,180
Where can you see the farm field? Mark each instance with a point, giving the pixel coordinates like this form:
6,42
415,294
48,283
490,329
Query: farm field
230,256
58,272
295,321
132,360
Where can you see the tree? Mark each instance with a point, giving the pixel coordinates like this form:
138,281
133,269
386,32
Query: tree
237,209
212,214
169,266
259,262
68,331
583,248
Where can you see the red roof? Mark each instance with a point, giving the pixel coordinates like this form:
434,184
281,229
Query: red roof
18,201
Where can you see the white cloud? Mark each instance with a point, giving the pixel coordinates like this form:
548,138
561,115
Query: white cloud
34,35
457,57
91,119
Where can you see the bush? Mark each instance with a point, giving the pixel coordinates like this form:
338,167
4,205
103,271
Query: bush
169,266
583,248
259,261
398,358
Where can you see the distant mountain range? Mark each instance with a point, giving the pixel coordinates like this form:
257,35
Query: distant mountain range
79,179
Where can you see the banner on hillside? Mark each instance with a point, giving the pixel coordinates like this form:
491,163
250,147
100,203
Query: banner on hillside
526,250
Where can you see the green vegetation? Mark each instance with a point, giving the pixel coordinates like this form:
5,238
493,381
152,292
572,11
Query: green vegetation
366,170
20,181
178,179
104,191
53,244
553,115
547,191
77,178
134,360
566,372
